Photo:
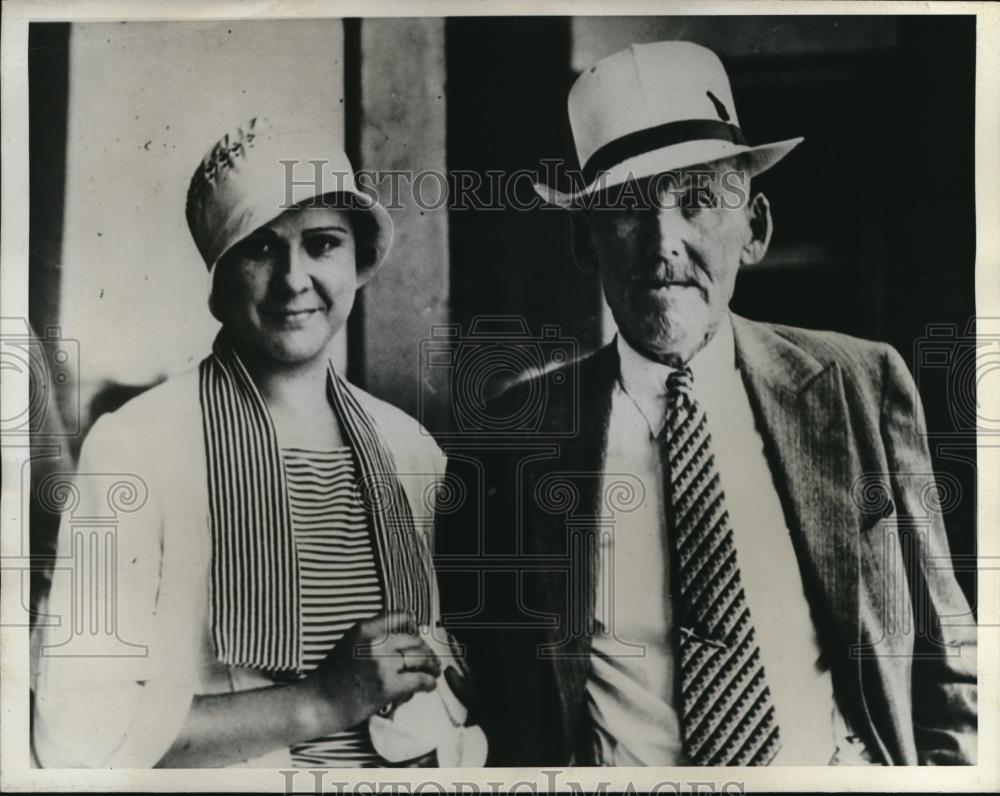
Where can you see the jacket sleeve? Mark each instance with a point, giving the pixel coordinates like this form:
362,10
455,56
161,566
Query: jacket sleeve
944,657
108,696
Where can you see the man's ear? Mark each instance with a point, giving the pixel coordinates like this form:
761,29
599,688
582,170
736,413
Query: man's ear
583,247
761,228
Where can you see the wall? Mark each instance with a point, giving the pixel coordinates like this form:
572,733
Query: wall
146,101
402,129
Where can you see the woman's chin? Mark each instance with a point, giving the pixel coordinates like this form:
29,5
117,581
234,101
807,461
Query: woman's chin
294,348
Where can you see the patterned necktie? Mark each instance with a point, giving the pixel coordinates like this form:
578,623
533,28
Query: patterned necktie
727,715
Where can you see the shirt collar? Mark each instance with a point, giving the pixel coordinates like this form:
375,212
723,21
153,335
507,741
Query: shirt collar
644,381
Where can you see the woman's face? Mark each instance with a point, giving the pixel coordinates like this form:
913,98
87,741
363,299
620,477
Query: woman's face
285,290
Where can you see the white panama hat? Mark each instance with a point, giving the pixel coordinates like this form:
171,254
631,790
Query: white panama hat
655,108
255,173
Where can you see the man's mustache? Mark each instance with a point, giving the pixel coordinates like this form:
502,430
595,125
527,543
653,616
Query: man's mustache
659,272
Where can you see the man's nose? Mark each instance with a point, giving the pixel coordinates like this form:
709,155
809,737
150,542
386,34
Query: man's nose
668,233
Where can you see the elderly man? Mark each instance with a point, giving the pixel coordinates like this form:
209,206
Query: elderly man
697,556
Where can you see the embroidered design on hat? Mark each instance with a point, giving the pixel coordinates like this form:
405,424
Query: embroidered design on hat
225,152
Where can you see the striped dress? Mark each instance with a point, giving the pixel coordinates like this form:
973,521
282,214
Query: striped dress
338,580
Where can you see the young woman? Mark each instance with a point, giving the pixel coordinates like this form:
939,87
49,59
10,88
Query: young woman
271,591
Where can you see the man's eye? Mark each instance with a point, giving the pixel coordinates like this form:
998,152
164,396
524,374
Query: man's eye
318,245
698,198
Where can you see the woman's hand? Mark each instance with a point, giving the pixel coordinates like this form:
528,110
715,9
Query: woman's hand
378,661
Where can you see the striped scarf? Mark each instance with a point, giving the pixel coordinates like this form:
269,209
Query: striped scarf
254,596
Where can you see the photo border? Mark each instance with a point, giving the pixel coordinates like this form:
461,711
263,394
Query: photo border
16,776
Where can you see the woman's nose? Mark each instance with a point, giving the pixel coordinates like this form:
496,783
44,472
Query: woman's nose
293,270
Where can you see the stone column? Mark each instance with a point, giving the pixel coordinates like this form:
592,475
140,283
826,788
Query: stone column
402,128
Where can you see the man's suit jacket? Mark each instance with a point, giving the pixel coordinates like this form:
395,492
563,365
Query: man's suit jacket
842,425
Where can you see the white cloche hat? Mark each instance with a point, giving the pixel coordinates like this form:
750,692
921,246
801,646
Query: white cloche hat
256,172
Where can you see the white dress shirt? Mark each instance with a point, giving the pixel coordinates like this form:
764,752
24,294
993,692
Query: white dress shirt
633,691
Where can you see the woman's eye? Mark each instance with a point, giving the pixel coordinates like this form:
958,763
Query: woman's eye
318,245
257,248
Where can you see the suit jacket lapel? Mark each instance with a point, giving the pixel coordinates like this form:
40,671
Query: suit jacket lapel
800,406
581,454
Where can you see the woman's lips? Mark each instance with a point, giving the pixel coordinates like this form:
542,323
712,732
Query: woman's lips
293,317
288,313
